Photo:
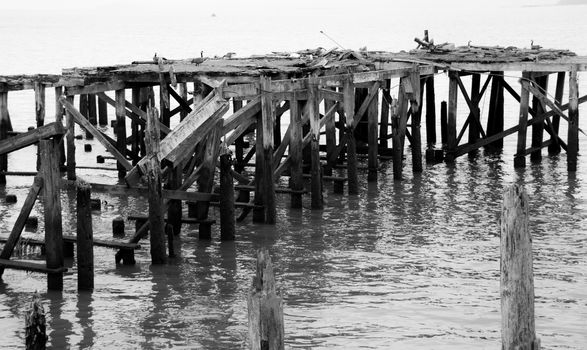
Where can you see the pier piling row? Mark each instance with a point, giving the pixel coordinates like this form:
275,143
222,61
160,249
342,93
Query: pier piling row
339,107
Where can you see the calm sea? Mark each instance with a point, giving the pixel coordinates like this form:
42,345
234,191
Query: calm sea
410,264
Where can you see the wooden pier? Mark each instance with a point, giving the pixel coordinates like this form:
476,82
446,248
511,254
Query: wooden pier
341,104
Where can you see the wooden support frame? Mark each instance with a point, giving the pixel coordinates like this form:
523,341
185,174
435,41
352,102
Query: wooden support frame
21,220
316,168
83,122
519,158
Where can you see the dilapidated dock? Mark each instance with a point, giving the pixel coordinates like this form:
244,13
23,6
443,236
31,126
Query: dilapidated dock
340,102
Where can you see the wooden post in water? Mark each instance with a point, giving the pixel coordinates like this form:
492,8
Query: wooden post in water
153,174
206,179
372,118
430,113
415,105
135,127
519,158
474,131
385,105
330,134
295,152
239,143
183,93
265,308
399,121
517,277
120,130
554,147
59,113
451,127
573,131
495,119
4,126
92,113
443,123
174,209
314,115
85,238
39,109
52,203
267,185
227,218
102,112
35,325
349,112
538,128
70,140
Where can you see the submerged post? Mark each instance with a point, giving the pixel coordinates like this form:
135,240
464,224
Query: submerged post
35,325
265,309
85,238
517,277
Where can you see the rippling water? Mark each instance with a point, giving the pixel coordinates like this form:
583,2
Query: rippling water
404,265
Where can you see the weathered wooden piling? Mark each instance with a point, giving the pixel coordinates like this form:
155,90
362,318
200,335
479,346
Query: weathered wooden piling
227,213
35,325
316,168
92,112
520,158
4,128
174,209
351,147
517,277
120,130
295,152
554,147
102,112
443,123
265,308
538,128
265,184
416,110
85,237
118,226
372,117
573,131
153,174
475,113
451,126
430,112
386,102
399,122
59,113
49,170
495,121
70,140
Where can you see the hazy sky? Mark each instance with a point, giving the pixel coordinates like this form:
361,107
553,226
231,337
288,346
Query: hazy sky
252,5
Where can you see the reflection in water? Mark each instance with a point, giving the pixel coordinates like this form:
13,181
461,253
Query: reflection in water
84,316
60,326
